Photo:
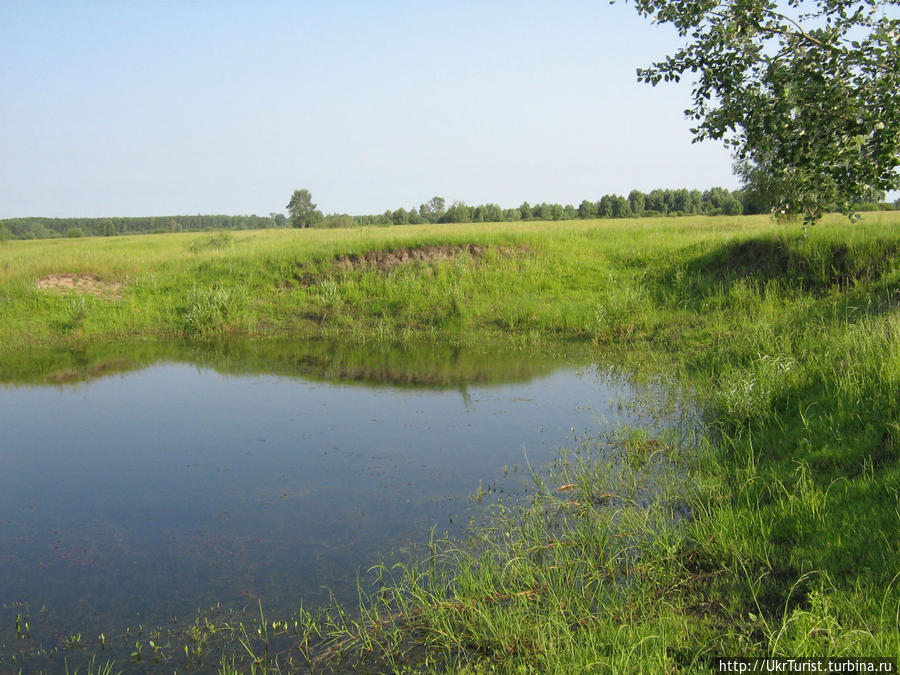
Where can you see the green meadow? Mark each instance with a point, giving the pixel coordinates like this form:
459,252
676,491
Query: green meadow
773,529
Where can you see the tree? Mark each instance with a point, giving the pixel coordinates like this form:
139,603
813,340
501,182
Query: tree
806,90
636,200
491,213
732,206
696,202
457,213
400,217
415,217
433,209
656,201
336,220
542,211
714,200
605,206
620,207
587,209
556,211
681,200
106,228
302,211
758,193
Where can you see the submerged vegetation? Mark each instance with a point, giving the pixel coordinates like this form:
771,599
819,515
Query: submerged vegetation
770,529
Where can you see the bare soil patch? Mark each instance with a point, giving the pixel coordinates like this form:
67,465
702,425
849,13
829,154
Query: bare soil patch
80,283
427,254
387,260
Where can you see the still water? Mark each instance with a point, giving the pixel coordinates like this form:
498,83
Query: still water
142,496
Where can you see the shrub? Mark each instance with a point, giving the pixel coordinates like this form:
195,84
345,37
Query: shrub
209,310
215,242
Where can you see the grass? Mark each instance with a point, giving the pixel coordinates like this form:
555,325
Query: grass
770,530
531,277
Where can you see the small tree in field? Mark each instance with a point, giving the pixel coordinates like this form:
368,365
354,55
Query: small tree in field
302,211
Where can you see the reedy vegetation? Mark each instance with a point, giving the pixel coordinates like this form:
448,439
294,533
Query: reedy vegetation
790,342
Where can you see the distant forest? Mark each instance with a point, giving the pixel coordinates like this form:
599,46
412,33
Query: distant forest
668,202
44,228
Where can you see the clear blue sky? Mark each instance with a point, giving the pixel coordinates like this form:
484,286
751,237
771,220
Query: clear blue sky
179,107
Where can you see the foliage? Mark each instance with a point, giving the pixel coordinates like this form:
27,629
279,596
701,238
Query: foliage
759,191
303,212
674,202
806,91
208,310
337,220
433,209
74,233
45,228
458,212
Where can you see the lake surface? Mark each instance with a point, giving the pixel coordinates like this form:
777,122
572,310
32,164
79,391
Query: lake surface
143,496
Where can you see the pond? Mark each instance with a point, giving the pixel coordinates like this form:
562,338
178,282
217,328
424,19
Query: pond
195,479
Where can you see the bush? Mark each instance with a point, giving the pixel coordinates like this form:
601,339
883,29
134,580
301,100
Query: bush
209,309
215,243
75,232
333,221
732,207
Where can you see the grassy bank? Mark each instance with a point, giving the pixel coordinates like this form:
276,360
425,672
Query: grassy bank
564,279
790,341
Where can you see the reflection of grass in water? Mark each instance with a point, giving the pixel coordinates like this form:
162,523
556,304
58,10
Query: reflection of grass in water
415,364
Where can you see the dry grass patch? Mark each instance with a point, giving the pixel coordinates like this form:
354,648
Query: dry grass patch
80,283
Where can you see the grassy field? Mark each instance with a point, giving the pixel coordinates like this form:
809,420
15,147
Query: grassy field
790,341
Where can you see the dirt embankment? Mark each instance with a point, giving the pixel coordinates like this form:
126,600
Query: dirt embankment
387,260
426,254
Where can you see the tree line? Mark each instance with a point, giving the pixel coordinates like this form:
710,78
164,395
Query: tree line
303,213
638,204
44,228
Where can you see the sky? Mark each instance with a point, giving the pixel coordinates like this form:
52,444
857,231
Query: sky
139,108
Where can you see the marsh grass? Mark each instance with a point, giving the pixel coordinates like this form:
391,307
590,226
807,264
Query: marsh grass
93,668
771,530
77,310
209,309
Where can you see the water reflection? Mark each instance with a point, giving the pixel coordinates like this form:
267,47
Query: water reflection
439,364
267,473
